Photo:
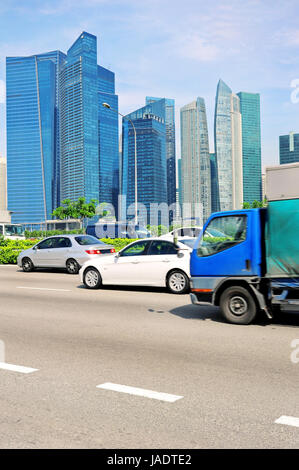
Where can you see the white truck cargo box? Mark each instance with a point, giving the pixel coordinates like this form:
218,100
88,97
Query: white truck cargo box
282,182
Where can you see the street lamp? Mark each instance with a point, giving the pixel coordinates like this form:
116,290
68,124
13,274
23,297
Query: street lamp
106,105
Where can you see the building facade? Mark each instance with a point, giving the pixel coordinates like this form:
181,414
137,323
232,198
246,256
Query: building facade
60,142
165,108
151,163
289,148
251,146
228,148
32,135
2,184
195,161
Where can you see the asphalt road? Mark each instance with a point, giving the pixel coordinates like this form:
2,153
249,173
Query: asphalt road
235,381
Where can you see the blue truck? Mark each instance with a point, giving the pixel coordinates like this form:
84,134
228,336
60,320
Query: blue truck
253,266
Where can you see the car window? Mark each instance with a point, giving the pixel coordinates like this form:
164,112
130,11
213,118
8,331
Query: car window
88,240
232,230
47,244
63,242
162,248
188,241
136,249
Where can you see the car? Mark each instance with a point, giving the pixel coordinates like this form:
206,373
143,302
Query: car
63,251
184,232
148,262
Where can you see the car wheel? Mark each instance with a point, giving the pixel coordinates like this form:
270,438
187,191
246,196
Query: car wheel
27,265
92,278
177,282
72,266
238,306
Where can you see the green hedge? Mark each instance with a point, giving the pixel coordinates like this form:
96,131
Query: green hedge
50,233
10,249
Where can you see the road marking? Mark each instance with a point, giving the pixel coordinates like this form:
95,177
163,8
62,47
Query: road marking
12,367
44,288
140,392
288,420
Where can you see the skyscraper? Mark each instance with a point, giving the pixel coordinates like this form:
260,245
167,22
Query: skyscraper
2,184
151,161
165,108
289,148
32,135
61,142
251,146
214,184
228,148
196,176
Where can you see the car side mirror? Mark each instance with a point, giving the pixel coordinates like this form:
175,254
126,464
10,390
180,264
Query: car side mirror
180,254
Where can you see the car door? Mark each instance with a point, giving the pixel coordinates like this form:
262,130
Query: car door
42,252
162,256
127,267
60,252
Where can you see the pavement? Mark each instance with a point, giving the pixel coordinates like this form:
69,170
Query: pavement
196,381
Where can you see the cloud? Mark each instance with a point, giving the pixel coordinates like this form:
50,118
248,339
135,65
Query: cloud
193,46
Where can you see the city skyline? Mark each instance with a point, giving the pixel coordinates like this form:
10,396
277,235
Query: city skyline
225,51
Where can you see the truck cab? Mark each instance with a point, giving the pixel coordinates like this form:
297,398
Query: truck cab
228,269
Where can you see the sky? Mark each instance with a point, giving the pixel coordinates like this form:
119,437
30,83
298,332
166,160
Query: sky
174,49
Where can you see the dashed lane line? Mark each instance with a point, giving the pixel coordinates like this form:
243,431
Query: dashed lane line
140,392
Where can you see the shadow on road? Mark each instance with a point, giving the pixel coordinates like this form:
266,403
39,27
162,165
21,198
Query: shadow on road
159,290
194,312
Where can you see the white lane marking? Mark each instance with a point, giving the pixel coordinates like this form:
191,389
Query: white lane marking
288,420
12,367
44,288
140,392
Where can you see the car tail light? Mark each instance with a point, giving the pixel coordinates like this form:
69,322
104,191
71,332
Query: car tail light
112,250
93,252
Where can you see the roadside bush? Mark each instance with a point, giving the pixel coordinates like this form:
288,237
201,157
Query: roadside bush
50,233
118,243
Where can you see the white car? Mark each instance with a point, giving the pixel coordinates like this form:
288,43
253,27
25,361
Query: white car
148,262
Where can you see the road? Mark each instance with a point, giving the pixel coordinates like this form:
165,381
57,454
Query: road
234,382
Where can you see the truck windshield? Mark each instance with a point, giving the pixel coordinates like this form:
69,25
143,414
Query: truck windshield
13,230
222,233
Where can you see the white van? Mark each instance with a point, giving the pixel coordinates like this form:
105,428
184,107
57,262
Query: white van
12,231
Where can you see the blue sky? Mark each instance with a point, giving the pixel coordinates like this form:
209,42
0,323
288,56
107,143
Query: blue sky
172,48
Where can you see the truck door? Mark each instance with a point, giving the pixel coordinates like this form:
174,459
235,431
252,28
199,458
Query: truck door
225,248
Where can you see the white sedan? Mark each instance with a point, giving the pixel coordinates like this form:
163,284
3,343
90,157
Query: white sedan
148,262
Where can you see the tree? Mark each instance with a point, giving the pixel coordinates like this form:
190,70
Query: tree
79,209
255,205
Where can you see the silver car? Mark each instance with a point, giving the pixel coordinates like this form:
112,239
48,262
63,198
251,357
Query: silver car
63,251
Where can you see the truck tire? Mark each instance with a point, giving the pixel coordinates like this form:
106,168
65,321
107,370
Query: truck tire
237,305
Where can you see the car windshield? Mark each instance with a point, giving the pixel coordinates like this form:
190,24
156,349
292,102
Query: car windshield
88,240
14,230
188,241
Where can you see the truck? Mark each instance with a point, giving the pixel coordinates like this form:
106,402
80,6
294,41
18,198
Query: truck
254,266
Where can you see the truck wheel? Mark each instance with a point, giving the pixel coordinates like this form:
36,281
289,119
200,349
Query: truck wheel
238,306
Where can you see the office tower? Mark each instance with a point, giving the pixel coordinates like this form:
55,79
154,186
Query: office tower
228,148
180,198
214,184
165,108
32,135
108,139
196,176
151,161
289,148
251,146
61,142
2,184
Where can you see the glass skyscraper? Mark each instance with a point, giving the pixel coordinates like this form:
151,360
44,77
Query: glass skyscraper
228,148
251,146
151,161
195,166
214,184
60,141
32,135
165,108
289,148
